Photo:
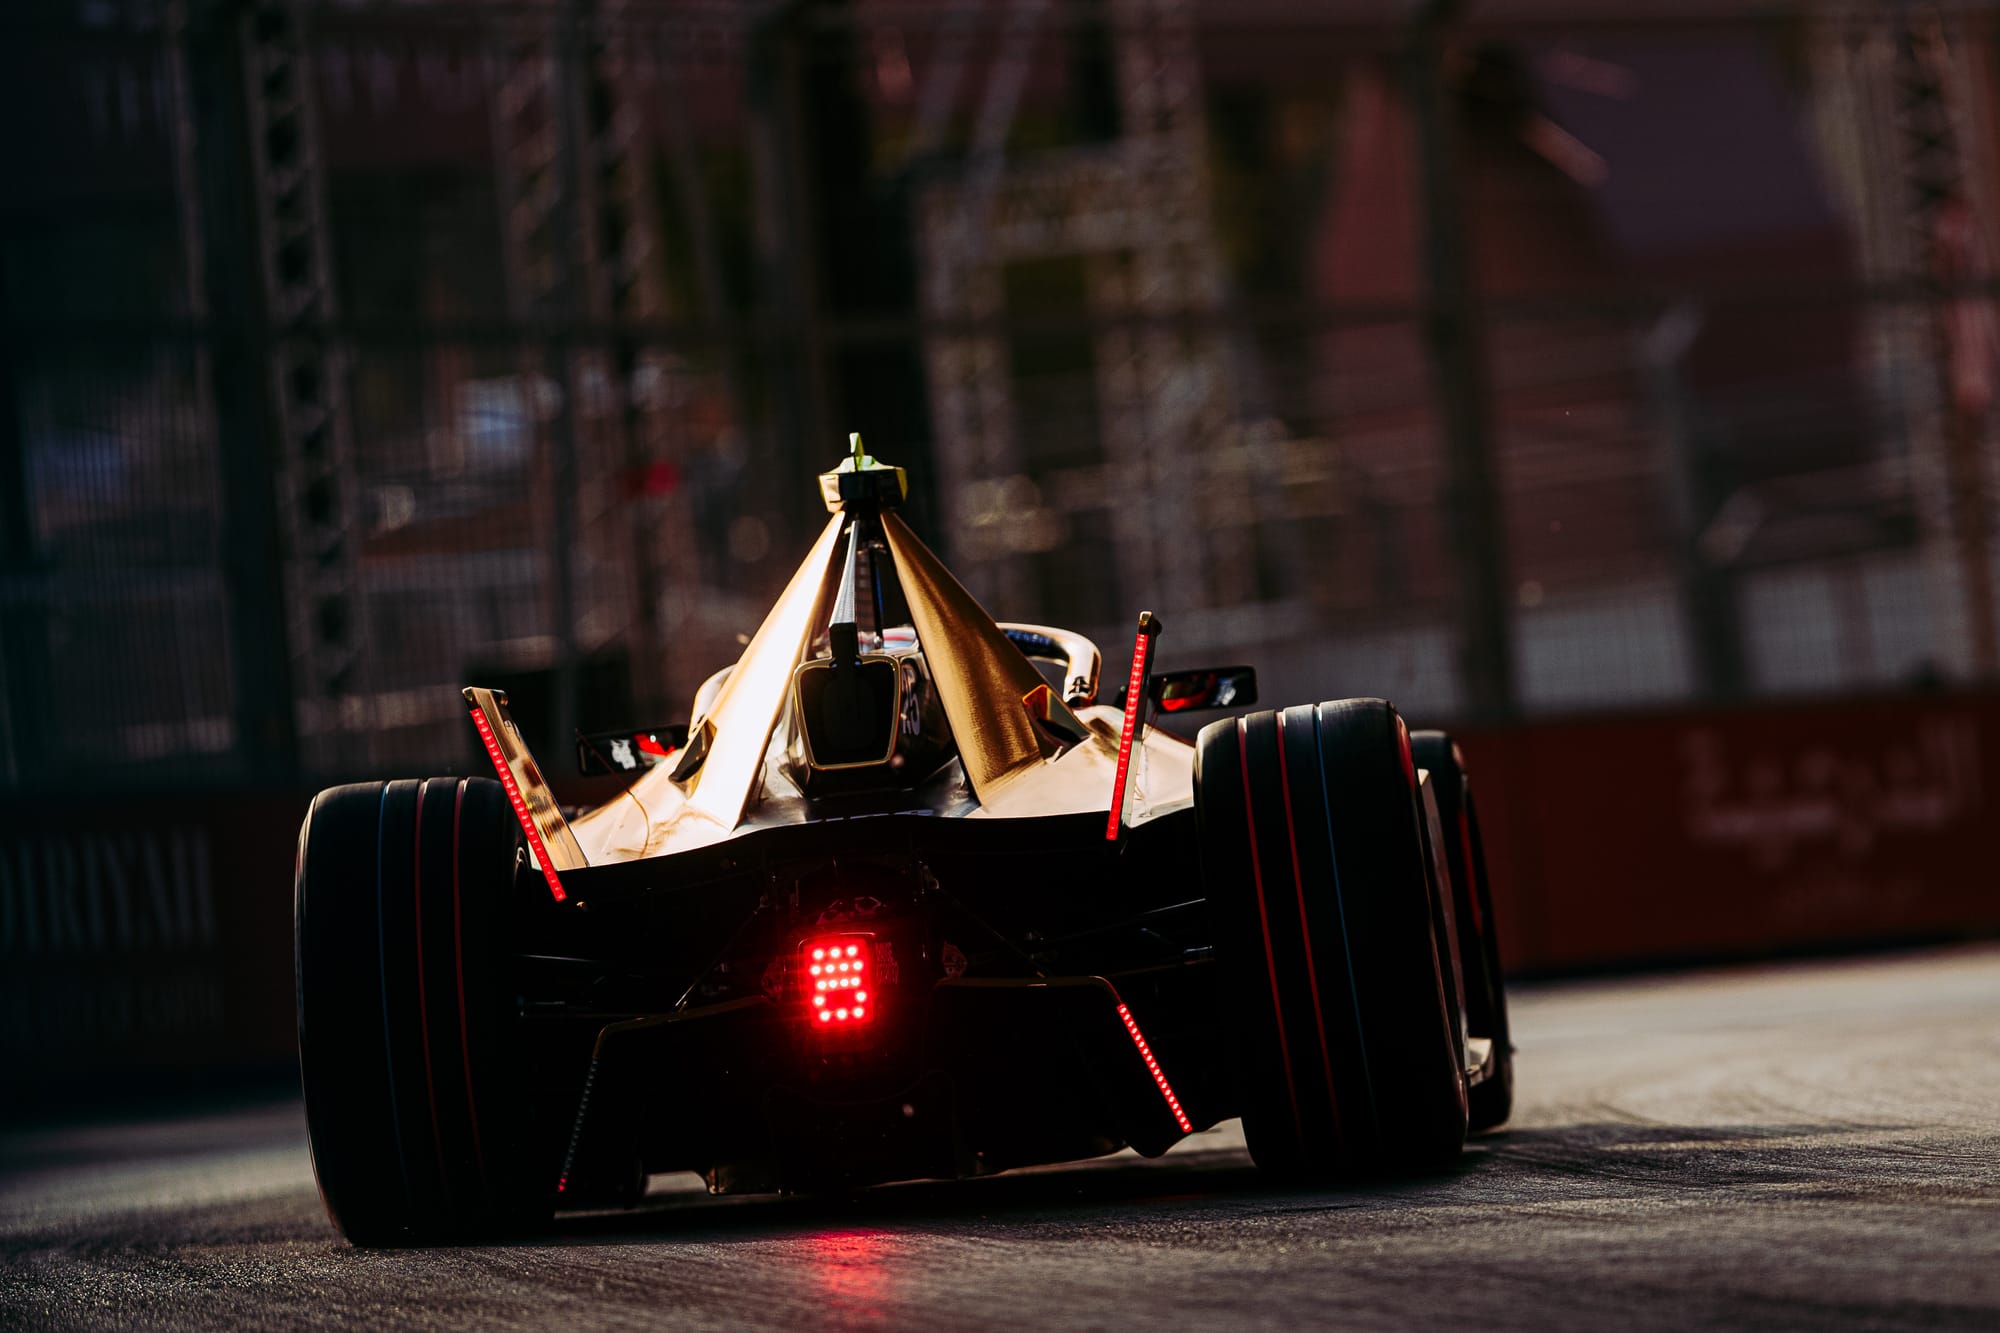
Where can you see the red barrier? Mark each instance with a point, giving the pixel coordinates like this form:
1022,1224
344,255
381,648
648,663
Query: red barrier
1740,833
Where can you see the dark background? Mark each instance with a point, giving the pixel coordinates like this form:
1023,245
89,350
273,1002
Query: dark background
1610,381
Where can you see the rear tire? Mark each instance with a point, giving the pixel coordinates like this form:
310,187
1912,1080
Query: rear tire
406,1052
1491,1101
1313,861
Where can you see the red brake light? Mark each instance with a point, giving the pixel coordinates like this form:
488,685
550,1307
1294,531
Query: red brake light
838,973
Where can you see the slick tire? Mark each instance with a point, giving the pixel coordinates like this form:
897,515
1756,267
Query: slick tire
400,907
1492,1100
1313,861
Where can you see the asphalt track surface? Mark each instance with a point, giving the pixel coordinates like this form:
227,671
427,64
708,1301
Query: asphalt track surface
1808,1146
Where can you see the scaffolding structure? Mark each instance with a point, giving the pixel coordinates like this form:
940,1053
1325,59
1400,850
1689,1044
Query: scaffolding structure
309,375
1896,102
1138,213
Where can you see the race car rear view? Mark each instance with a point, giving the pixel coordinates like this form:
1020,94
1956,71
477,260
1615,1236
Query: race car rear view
904,899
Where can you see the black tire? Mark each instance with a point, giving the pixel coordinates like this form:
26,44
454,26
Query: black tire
1313,862
1490,1101
401,899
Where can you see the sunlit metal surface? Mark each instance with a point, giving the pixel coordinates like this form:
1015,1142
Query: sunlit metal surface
750,701
976,670
1012,765
562,846
661,815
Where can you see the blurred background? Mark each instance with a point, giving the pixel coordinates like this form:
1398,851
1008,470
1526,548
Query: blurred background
1612,381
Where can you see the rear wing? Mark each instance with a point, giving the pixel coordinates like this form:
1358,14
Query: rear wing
549,838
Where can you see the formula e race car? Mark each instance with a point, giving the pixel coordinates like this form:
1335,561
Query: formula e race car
902,900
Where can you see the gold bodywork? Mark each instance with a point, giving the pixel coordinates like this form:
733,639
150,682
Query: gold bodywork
805,733
747,708
978,675
1024,752
527,778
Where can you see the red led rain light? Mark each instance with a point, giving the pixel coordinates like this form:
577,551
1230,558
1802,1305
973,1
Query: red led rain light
1135,701
1153,1068
542,857
836,971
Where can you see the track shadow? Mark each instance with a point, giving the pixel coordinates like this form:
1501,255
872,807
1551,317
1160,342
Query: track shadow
1610,1161
1054,1196
1588,1161
1645,1152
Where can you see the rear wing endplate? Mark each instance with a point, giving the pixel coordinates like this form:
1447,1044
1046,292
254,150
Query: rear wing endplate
549,838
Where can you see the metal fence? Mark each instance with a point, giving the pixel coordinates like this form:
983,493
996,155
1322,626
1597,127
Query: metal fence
1507,360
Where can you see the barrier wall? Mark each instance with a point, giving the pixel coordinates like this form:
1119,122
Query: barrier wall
146,936
143,935
1720,834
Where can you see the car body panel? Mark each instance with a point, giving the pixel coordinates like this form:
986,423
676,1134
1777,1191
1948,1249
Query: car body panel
1022,751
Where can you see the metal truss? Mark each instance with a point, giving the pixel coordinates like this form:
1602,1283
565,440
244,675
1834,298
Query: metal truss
318,486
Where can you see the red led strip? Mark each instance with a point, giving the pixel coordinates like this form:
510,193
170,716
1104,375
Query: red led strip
1153,1068
1135,699
520,806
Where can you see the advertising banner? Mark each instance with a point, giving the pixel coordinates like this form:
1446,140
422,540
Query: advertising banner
1735,834
143,935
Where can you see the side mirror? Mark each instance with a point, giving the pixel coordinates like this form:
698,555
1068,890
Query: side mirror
627,753
1206,687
